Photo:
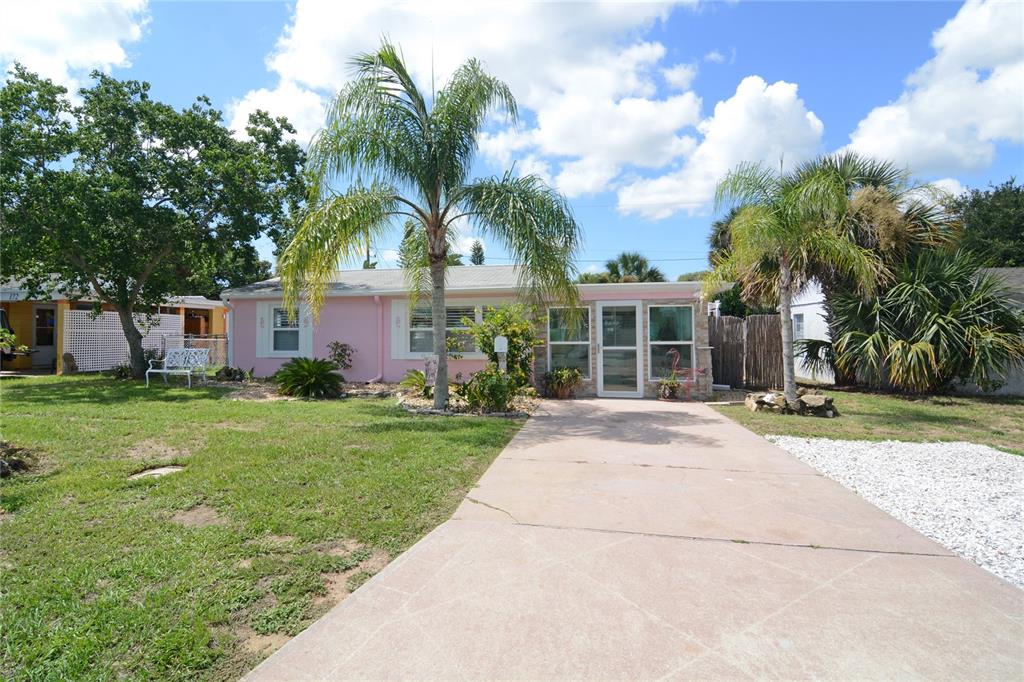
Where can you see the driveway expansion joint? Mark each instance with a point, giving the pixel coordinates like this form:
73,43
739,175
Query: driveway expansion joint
700,538
663,466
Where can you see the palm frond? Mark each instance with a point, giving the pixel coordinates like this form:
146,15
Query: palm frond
458,117
535,224
334,231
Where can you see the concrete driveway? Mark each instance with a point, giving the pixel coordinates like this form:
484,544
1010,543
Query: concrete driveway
619,539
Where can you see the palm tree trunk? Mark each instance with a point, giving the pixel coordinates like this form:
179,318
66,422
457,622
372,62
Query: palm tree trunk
438,318
785,312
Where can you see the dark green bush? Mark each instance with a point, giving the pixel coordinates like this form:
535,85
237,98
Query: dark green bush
308,378
562,382
490,390
341,354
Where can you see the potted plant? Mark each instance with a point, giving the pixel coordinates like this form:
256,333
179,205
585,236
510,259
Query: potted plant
562,382
668,387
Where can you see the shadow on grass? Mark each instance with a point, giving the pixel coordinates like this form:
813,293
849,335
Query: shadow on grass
105,391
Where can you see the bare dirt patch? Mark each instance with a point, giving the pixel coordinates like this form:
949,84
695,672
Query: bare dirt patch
237,426
199,516
17,460
342,583
254,390
253,642
151,449
337,547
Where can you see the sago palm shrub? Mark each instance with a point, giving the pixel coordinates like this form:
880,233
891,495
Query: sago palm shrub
309,378
942,320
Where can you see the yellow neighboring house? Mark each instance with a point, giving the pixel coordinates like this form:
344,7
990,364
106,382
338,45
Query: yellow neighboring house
39,323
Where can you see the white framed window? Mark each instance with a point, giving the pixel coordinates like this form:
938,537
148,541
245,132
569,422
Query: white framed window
412,333
281,337
798,326
285,331
421,327
569,344
669,340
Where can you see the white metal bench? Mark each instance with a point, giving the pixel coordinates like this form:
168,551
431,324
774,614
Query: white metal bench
181,361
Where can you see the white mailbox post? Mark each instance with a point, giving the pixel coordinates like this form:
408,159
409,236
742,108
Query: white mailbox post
501,348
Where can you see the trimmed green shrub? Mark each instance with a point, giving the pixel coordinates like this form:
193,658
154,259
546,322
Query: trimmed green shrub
562,382
308,378
490,390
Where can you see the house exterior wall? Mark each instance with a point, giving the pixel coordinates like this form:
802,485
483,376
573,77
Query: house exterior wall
811,304
702,352
361,320
19,314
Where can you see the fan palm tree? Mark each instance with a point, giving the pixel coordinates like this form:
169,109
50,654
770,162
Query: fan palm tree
630,266
405,157
788,225
887,214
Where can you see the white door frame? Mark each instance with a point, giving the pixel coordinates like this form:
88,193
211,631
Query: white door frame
38,359
639,392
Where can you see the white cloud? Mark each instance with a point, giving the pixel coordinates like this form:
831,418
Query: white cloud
304,109
680,76
760,122
587,84
715,57
66,40
950,186
959,104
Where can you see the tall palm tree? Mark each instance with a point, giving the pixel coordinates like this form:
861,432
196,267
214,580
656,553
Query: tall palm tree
406,157
788,225
630,266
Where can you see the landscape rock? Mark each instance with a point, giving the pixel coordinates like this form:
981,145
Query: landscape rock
812,402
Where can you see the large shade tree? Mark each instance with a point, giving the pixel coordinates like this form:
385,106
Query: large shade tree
129,200
788,226
403,156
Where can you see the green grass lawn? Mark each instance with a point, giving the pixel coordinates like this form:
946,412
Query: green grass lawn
280,509
998,422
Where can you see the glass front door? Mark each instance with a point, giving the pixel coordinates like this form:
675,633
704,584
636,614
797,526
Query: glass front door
619,350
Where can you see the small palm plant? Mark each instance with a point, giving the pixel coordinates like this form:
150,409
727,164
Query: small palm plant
309,378
406,157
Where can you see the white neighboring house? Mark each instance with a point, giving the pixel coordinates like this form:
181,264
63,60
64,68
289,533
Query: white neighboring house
808,312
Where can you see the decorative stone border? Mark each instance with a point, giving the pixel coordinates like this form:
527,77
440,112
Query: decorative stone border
450,413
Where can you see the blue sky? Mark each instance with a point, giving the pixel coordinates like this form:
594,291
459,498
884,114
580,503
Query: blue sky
632,110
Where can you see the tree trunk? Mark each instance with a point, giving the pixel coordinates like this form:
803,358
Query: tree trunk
438,316
134,337
785,312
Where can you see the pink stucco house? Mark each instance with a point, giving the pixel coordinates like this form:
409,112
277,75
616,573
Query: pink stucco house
632,332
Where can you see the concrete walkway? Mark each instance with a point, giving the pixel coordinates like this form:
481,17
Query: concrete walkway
619,539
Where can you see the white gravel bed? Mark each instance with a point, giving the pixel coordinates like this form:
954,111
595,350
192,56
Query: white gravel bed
967,497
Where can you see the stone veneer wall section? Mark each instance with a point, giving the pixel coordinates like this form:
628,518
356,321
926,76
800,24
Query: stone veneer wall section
702,390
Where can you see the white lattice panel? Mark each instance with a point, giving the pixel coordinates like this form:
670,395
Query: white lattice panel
99,344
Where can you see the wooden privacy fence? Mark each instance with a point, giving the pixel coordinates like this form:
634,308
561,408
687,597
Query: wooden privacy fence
746,351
